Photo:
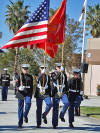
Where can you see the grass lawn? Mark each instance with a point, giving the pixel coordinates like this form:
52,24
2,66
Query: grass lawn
91,111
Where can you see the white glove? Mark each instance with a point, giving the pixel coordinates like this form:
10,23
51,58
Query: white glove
21,88
82,93
43,71
62,69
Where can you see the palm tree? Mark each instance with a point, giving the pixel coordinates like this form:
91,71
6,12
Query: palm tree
93,20
16,16
51,12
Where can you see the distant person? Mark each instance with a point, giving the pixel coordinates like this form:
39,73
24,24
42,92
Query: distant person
5,83
24,86
75,88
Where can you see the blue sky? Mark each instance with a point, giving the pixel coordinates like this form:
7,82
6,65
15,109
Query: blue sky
73,9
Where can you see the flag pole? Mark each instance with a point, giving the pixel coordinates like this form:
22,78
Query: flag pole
45,54
62,60
62,54
82,59
44,62
83,44
63,45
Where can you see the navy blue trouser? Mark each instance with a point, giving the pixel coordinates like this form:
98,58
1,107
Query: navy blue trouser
4,93
39,102
21,109
76,104
56,101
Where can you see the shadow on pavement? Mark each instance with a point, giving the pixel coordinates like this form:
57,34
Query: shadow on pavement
3,102
15,128
89,127
2,113
92,125
27,128
59,128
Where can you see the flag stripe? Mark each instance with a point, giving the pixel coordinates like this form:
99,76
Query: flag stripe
32,31
29,35
23,43
32,28
35,23
28,39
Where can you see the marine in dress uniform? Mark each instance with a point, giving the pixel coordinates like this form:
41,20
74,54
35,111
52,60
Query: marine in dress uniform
59,92
43,93
75,98
5,83
24,85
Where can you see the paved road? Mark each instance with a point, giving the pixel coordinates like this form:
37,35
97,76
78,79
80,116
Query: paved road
8,120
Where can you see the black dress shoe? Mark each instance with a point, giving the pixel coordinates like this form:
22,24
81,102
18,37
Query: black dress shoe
19,127
62,119
26,119
4,100
44,119
54,127
38,126
76,114
71,125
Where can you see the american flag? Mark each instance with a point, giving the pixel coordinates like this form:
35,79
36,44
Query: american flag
34,30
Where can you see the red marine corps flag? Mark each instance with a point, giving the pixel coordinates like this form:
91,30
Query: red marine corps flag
34,30
56,31
56,25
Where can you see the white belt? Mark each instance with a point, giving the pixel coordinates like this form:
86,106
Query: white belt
81,92
26,86
4,80
58,86
21,88
44,88
74,90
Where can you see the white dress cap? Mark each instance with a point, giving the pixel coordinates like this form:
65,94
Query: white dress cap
76,70
5,69
25,65
58,64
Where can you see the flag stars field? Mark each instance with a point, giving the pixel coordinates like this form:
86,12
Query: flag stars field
39,14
